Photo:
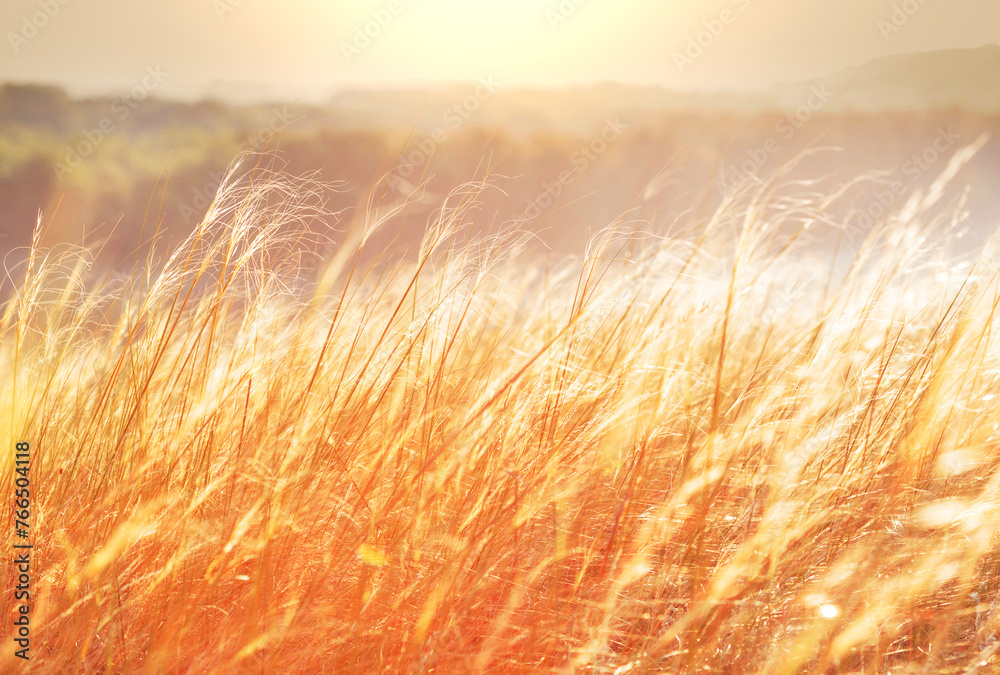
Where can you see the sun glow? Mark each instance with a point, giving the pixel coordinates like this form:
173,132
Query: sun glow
517,41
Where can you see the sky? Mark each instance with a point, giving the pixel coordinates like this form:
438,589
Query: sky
311,48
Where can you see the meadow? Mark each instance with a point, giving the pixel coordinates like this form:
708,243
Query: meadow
719,449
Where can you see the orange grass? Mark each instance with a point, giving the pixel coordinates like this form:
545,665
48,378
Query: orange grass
675,455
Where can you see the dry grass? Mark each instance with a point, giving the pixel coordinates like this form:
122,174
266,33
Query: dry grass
671,456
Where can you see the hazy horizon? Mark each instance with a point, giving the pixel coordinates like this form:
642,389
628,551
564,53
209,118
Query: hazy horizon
306,50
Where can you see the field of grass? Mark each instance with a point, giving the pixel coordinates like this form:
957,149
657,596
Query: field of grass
706,452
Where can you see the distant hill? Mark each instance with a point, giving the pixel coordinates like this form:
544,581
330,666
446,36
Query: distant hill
527,111
967,79
937,80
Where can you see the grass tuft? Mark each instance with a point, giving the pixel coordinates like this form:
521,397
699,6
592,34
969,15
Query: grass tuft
733,454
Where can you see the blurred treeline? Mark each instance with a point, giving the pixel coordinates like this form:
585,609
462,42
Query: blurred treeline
112,170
